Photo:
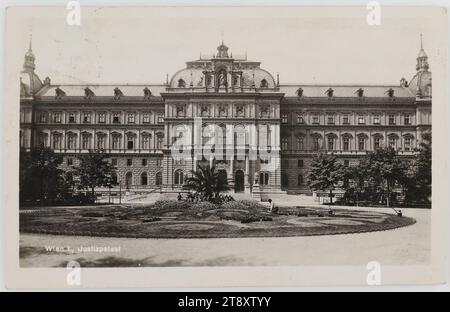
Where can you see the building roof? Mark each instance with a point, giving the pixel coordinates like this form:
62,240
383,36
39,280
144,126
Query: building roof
321,90
103,90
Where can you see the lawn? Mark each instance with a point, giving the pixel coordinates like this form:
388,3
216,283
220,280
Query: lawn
180,219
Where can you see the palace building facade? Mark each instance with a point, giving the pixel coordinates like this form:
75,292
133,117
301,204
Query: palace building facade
260,134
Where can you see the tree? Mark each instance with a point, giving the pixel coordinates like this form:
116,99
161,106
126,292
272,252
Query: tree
386,170
419,182
94,171
41,179
325,174
207,181
355,182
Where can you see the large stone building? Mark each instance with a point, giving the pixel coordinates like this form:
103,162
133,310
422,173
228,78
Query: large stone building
224,110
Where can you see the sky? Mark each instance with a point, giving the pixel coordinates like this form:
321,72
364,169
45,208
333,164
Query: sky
304,45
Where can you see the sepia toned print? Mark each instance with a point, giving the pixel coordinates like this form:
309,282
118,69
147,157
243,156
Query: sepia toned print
225,163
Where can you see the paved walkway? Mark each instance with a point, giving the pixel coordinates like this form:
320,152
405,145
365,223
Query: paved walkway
408,245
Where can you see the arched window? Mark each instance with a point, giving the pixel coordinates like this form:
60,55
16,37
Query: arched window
116,139
181,83
330,140
145,144
57,139
71,141
86,141
144,178
128,180
114,178
300,179
101,138
158,178
178,177
264,84
284,180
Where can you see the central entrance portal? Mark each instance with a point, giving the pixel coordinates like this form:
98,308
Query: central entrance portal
239,181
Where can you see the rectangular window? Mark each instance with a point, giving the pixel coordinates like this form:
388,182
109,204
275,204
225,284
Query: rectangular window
116,118
57,117
114,162
345,120
101,141
391,119
361,120
86,117
144,162
315,119
300,163
285,163
284,118
129,162
160,118
264,161
300,119
284,144
361,144
130,117
407,120
392,142
300,143
71,117
145,142
407,144
130,142
346,144
116,142
43,117
376,119
316,144
101,117
146,118
330,120
377,143
69,161
158,163
86,142
159,142
330,144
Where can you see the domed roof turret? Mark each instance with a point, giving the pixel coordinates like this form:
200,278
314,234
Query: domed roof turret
30,83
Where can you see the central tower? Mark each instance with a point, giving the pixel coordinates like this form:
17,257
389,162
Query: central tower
223,111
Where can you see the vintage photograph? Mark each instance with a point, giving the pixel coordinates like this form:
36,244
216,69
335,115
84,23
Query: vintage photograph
216,137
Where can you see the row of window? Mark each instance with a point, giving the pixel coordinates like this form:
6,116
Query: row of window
114,162
71,141
361,119
346,140
101,117
144,179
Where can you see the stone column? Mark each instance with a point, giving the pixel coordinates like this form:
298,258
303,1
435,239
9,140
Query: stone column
247,175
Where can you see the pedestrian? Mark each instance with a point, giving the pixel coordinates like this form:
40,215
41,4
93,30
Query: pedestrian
179,197
272,205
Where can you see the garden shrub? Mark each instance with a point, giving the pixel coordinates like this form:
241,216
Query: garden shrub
234,205
204,206
168,204
252,204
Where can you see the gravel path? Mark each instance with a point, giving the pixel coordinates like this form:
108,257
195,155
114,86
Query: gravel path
407,245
